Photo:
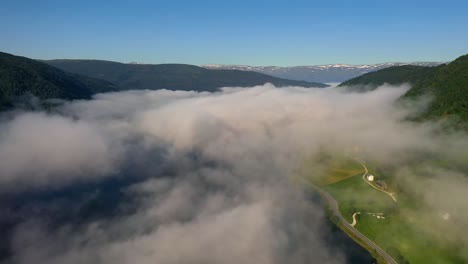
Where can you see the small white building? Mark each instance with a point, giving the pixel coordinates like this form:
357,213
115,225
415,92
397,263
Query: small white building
370,177
446,216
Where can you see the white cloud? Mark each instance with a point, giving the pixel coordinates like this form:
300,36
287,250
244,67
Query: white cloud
228,197
40,150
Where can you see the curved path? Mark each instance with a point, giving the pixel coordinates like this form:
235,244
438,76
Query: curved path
364,179
336,212
354,219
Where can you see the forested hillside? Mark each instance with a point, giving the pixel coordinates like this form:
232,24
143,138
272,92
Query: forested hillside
447,85
21,78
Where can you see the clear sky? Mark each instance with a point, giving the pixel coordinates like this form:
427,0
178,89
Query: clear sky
236,32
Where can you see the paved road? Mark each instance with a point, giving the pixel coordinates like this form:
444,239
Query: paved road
336,212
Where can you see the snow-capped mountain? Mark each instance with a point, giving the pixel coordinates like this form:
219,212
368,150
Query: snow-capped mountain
330,73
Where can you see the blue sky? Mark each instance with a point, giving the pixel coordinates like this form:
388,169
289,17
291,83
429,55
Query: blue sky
236,32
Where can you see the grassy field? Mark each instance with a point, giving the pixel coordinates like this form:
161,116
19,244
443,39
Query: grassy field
402,239
335,170
354,195
401,232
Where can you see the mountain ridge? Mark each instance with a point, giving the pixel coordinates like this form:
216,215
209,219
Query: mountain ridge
320,73
21,78
171,76
24,80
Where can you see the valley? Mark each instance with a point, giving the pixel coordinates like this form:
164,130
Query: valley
399,226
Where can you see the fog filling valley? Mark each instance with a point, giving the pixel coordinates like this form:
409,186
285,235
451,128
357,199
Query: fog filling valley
211,177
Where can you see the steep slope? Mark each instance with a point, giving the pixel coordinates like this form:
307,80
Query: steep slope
446,84
318,73
449,87
170,76
393,75
20,76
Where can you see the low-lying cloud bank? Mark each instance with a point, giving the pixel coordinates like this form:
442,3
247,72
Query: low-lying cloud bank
228,194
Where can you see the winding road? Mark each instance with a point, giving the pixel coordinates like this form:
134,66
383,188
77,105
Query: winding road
336,212
372,185
354,219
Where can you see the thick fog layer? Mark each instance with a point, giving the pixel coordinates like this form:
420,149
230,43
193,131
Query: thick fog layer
219,181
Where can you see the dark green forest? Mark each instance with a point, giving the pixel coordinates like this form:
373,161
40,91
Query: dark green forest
21,77
393,75
446,85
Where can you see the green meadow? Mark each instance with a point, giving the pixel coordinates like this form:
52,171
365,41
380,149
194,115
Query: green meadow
403,229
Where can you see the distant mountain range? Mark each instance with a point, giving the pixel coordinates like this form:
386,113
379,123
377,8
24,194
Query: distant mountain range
329,73
22,80
170,76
